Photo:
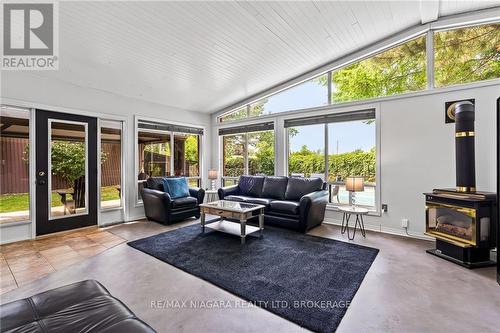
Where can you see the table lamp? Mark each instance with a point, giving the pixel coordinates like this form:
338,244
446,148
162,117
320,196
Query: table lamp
354,184
212,175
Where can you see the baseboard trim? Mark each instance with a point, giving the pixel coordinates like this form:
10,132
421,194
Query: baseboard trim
385,230
135,218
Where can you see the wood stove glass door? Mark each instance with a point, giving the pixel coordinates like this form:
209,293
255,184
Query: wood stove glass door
450,222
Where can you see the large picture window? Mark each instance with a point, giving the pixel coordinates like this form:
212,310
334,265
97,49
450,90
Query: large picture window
187,157
461,55
467,55
309,94
111,164
14,166
397,70
306,151
233,153
334,147
165,150
241,113
247,150
352,152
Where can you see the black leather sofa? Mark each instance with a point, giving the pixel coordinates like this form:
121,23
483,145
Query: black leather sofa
160,207
84,306
291,202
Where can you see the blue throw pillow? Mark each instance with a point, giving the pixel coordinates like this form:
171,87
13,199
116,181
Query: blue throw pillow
166,188
176,187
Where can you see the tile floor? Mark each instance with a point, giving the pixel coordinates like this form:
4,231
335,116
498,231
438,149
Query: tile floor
26,261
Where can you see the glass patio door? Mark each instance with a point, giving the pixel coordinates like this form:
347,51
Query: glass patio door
66,171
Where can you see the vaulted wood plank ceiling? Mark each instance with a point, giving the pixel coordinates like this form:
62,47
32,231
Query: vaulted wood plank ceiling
203,56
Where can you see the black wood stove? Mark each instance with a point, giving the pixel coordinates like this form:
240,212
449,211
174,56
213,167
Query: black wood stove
463,220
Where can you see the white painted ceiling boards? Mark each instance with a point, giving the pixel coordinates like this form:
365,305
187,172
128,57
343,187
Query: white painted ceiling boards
203,56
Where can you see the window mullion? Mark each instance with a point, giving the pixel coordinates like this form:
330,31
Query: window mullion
329,88
326,152
429,49
171,154
245,154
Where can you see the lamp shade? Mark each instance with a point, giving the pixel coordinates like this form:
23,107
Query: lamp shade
355,184
212,174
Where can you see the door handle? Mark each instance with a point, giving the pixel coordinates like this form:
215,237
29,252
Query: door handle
42,178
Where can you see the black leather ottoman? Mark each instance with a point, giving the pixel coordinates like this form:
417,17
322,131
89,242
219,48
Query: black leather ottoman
84,306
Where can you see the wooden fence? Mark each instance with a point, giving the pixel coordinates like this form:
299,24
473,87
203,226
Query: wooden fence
14,169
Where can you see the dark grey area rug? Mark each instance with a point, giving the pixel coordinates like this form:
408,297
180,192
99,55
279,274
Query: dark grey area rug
306,279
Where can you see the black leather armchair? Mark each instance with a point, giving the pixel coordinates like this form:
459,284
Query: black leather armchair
294,203
160,207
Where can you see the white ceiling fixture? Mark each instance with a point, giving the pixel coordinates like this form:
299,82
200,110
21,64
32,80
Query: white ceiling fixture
204,56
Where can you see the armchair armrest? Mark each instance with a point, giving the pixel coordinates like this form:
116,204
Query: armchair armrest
197,193
312,209
148,194
229,190
156,204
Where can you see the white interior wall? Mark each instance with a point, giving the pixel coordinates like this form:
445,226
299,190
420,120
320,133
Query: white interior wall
33,90
417,150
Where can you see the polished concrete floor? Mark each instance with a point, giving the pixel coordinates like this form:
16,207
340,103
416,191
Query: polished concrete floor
406,290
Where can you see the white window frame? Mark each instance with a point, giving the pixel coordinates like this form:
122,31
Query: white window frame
122,163
172,171
137,119
374,210
484,17
31,167
245,166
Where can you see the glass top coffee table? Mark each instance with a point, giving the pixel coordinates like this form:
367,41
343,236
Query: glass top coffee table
233,210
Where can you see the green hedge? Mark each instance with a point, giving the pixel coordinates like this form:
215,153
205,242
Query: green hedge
356,163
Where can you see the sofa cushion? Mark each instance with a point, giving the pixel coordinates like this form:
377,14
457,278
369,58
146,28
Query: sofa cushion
155,183
274,187
239,198
288,207
184,202
260,201
251,185
298,187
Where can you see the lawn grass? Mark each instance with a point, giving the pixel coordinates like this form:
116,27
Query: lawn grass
19,202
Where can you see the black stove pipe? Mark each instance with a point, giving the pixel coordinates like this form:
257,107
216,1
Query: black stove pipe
464,146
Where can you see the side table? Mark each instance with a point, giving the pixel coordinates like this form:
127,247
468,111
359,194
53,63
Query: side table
211,196
347,212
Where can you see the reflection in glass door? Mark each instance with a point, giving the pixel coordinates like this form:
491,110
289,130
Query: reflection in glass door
68,168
